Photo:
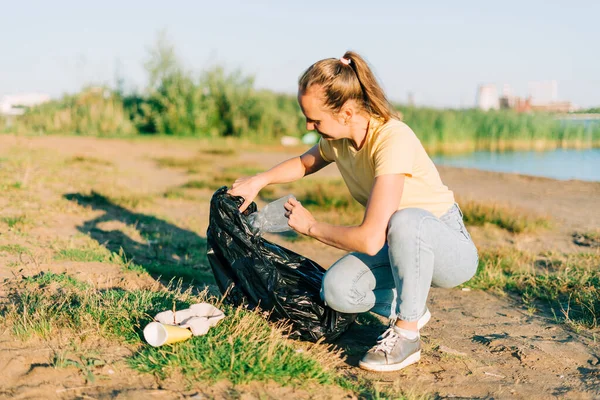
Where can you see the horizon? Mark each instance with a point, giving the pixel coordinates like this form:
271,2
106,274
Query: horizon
61,47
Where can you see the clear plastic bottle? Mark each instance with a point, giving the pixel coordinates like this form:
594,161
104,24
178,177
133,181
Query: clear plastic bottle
271,218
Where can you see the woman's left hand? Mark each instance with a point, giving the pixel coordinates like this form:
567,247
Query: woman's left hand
300,219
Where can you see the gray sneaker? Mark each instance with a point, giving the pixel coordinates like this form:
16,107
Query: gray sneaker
391,353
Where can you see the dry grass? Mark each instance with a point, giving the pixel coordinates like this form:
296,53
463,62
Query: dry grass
72,316
14,249
569,283
510,218
111,223
243,348
191,165
83,160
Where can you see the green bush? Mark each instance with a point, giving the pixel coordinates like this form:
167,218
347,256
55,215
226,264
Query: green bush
219,103
94,111
215,103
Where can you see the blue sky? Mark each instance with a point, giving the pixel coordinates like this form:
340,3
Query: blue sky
438,50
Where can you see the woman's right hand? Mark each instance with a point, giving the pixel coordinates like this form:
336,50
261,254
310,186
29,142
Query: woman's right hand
248,188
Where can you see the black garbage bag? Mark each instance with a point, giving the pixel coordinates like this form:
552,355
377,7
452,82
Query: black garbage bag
255,272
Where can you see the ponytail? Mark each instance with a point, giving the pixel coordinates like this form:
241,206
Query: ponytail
348,78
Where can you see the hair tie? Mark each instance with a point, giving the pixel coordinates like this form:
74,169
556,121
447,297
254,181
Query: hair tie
345,61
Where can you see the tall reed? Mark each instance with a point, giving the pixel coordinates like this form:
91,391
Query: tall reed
94,111
218,102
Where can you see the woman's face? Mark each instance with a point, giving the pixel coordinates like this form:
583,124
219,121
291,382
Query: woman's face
319,118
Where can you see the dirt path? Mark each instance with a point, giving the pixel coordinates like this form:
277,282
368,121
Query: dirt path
477,345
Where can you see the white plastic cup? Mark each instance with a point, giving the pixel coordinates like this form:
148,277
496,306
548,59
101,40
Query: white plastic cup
157,334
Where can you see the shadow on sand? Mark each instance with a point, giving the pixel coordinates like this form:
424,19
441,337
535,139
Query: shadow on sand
173,252
170,252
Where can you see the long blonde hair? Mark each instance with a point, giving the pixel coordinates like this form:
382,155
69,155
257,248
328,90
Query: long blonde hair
348,78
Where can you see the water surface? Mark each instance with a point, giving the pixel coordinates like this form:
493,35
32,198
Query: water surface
557,164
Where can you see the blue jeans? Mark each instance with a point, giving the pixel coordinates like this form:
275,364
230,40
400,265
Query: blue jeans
421,250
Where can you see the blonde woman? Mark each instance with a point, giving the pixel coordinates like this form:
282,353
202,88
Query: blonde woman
412,235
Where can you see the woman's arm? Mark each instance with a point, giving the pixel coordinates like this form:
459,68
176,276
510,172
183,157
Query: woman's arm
288,171
368,237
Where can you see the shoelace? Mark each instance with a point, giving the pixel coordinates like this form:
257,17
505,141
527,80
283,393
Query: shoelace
386,341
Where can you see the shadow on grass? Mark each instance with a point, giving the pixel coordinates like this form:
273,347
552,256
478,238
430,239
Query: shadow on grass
170,252
361,336
178,253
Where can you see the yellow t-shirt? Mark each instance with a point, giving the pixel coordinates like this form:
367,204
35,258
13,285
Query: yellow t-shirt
390,148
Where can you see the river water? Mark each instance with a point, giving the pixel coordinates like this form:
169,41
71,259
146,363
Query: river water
557,164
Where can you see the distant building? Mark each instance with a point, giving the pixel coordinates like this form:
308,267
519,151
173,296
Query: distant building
545,92
543,96
17,104
508,99
487,97
555,106
522,105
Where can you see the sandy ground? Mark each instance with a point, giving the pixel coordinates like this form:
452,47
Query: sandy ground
477,345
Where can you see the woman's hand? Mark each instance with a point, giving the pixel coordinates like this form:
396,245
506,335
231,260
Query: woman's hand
248,188
300,219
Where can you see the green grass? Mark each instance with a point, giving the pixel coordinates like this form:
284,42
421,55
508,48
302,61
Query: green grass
15,221
74,306
141,243
197,273
210,184
14,249
99,254
177,193
330,196
191,268
243,170
191,165
63,280
200,184
511,219
86,362
242,348
123,198
226,177
219,151
11,186
317,195
329,200
568,283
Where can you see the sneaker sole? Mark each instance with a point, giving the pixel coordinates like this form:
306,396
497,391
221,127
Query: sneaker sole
424,319
413,358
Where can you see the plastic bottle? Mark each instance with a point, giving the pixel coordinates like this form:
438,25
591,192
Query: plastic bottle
271,218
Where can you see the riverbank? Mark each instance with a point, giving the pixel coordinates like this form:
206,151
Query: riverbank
147,224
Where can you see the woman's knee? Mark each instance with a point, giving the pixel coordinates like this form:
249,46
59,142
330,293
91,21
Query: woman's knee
406,223
340,289
461,273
